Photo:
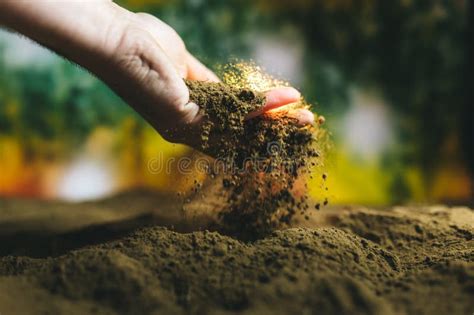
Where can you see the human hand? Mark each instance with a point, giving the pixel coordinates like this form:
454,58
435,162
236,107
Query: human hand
141,58
153,58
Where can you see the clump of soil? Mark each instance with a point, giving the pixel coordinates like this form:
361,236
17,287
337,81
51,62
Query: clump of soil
259,159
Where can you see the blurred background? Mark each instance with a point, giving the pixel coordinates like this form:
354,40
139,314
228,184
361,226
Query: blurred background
389,76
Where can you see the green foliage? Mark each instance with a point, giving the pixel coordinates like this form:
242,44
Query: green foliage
58,101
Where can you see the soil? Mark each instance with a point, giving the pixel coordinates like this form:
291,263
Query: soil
124,256
260,159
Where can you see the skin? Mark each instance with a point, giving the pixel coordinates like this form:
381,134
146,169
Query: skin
138,56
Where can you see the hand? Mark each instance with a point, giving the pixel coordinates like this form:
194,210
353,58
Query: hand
151,58
141,58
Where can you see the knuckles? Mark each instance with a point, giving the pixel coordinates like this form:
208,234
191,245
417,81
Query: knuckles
154,88
128,55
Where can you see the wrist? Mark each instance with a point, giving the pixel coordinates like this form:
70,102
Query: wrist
102,36
84,32
91,38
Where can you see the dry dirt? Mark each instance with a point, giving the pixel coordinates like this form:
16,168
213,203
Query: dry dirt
136,254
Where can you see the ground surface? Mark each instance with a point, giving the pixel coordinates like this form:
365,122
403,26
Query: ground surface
115,256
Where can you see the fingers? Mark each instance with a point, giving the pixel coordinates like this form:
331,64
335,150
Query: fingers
304,116
197,71
280,96
277,97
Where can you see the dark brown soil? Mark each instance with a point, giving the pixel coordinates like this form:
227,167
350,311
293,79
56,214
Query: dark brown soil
404,260
258,159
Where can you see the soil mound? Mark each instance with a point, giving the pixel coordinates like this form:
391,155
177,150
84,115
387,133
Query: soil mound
398,261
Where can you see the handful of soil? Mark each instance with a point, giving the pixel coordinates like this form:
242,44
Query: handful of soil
259,159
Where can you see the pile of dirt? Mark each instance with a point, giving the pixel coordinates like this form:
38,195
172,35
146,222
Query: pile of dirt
360,261
259,159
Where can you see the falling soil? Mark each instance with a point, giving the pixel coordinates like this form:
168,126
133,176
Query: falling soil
259,159
417,260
